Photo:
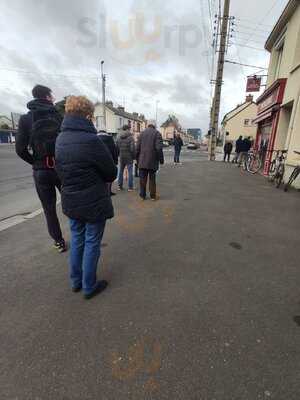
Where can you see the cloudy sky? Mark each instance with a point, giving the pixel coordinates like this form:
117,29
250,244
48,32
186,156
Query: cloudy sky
154,50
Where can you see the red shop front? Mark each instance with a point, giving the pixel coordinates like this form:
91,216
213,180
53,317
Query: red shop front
268,113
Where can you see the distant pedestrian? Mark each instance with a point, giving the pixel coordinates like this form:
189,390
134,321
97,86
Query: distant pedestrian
227,151
149,156
178,143
38,130
238,149
108,140
126,149
85,167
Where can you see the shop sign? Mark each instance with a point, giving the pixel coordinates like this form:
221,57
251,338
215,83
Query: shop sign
253,84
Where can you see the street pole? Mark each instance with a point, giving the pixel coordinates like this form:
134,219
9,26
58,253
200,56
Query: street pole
103,95
156,112
214,123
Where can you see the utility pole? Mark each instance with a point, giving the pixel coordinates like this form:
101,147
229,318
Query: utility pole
214,122
156,112
103,95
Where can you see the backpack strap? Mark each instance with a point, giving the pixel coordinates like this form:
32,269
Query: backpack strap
50,162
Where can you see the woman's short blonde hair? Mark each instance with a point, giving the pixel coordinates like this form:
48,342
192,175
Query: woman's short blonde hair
80,106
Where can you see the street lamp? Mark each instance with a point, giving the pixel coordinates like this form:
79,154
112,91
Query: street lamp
103,95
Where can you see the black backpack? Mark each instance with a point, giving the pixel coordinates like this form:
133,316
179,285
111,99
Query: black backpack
44,131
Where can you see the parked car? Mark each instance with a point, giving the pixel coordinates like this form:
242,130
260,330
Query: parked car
166,143
192,146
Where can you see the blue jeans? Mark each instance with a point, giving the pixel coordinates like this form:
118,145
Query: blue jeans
85,253
130,175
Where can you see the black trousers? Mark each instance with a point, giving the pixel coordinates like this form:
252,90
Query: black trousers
177,156
227,155
45,183
144,173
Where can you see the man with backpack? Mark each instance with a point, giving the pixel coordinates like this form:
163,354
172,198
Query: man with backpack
38,130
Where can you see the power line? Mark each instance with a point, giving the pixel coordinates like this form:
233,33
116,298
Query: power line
248,47
247,33
210,16
263,18
252,41
245,65
206,39
251,22
252,28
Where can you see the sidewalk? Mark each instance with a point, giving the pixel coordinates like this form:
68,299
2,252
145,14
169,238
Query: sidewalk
204,286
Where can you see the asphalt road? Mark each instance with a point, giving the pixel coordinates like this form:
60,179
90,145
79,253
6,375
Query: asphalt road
17,193
203,301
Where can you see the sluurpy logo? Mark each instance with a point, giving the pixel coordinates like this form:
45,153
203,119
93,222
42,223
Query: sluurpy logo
140,40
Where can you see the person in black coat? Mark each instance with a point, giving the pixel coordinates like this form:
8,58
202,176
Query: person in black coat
227,151
41,108
238,149
85,167
178,143
108,140
245,148
149,154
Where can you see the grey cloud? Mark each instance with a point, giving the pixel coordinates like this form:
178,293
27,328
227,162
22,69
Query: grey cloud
43,37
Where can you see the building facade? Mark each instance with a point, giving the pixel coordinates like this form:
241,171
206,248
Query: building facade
279,106
117,117
195,133
239,121
171,127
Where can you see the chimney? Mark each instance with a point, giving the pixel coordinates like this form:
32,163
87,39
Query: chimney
120,108
249,98
109,103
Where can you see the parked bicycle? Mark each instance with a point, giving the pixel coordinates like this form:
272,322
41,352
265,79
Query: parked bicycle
293,176
251,162
277,168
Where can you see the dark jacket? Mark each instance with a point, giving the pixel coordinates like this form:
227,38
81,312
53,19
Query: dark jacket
239,145
150,149
108,140
84,166
126,147
25,126
178,143
228,148
246,146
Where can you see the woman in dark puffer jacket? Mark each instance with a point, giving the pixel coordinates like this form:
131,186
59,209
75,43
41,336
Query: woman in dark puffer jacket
84,166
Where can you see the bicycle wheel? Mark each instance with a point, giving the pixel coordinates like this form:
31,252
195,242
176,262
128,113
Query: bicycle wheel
254,164
293,177
279,175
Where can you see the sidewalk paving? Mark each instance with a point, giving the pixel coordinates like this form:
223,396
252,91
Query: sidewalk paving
204,286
